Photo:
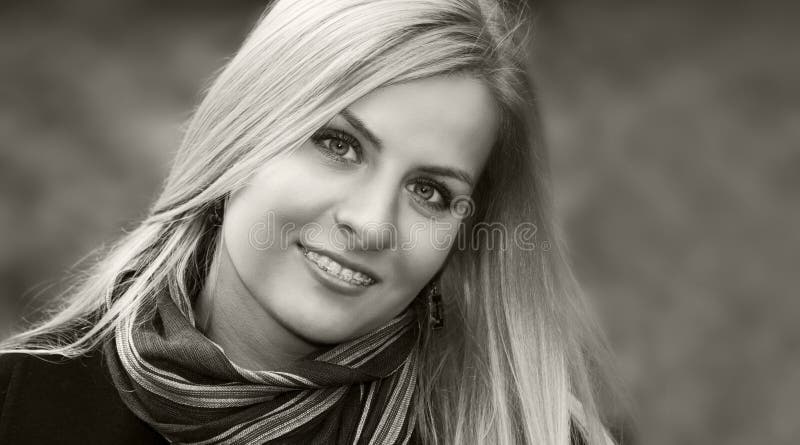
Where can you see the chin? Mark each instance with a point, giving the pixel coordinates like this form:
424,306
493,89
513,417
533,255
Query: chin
327,332
316,322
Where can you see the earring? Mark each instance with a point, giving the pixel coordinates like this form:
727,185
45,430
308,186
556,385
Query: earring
214,215
435,310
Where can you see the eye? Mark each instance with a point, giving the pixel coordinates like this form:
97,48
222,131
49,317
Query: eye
431,193
338,145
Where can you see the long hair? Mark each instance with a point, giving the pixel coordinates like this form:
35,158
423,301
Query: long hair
515,354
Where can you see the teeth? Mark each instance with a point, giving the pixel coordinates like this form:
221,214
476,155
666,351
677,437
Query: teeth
332,267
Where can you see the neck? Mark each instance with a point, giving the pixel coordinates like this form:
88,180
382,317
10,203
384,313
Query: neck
229,315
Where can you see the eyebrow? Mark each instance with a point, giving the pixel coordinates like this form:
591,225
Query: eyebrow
362,128
447,171
359,125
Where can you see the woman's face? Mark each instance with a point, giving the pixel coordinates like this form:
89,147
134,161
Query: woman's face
368,195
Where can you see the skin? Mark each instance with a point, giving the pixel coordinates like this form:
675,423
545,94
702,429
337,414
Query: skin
367,203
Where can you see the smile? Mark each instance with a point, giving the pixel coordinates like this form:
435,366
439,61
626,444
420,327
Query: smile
335,270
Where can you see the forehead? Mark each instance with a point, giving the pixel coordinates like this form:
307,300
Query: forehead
444,120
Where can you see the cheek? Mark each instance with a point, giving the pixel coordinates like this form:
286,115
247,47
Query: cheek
261,216
423,250
280,197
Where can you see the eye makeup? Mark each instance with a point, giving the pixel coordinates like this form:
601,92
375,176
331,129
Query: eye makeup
331,141
335,144
438,187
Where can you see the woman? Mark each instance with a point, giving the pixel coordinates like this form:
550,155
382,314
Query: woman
353,246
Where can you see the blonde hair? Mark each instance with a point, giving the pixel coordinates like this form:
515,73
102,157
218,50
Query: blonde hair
516,352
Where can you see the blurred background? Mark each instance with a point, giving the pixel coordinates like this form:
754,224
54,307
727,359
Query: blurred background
675,133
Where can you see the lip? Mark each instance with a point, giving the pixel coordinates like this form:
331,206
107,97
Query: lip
330,282
344,262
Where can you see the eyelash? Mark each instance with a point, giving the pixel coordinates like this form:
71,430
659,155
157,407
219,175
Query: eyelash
447,196
335,134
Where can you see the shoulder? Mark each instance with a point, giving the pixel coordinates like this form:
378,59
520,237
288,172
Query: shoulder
9,363
16,365
49,375
25,375
48,396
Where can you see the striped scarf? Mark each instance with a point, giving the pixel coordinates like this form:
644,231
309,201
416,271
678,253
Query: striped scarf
182,384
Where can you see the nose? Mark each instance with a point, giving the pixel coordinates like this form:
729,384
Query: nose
365,217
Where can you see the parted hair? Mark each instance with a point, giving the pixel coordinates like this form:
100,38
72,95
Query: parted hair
513,364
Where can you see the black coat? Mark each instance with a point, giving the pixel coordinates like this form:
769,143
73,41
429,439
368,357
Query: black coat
53,400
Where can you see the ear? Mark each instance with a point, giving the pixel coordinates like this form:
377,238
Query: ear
218,209
225,201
